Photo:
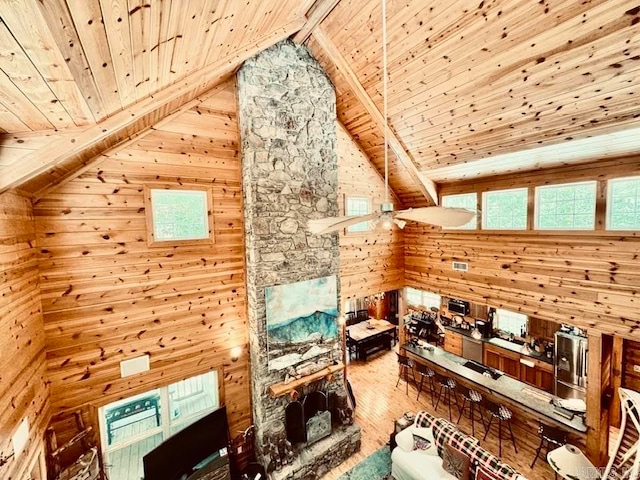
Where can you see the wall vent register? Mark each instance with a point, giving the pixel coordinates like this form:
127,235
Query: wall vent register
460,266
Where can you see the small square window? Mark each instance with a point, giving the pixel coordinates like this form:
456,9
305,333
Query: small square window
356,206
570,206
178,215
511,322
505,209
623,204
464,200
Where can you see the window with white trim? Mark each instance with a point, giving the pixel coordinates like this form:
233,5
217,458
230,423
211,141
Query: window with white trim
510,322
505,209
419,298
570,206
178,214
463,200
623,203
356,206
132,427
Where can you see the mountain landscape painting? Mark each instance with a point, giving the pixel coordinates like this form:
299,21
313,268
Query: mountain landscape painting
301,321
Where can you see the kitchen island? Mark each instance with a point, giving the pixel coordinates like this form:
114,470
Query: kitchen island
528,404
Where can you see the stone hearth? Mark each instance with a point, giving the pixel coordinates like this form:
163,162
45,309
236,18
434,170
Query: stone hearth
287,116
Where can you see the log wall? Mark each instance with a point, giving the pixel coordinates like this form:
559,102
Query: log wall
373,261
23,389
107,296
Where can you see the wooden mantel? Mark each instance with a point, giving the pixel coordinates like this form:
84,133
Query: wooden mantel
280,389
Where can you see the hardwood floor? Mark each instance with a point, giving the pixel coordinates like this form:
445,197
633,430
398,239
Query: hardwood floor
379,403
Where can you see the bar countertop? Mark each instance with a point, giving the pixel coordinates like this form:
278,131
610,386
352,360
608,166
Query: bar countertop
505,386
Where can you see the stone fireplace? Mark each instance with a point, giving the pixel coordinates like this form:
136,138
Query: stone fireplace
287,116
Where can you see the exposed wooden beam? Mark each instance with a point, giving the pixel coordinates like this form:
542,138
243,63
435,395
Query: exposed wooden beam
89,142
426,186
320,10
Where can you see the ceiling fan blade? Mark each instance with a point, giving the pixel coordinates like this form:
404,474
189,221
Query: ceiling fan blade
442,216
324,225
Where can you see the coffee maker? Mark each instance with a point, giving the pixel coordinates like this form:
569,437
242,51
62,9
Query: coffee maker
485,327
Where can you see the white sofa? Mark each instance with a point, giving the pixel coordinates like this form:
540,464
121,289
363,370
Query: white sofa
410,464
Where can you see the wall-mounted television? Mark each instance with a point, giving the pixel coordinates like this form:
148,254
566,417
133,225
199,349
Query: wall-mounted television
180,453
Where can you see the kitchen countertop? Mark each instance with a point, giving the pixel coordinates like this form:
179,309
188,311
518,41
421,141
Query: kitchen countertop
505,386
516,347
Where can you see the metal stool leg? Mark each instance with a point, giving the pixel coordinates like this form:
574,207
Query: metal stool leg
513,439
488,428
439,396
537,453
471,411
432,386
420,387
464,402
499,437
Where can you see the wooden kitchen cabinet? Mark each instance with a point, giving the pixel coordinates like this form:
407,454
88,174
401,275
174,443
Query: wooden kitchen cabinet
502,359
511,363
492,356
536,373
453,342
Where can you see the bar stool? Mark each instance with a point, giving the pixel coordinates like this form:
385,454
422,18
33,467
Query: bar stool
471,399
554,436
426,372
406,366
447,388
502,414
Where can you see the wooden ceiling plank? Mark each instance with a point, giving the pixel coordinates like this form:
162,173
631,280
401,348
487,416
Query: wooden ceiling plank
26,77
9,122
211,32
167,46
14,100
116,24
57,17
427,186
179,13
205,16
182,45
140,16
28,27
158,16
150,110
320,10
87,18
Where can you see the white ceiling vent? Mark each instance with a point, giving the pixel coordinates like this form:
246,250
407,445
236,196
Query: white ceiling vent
460,266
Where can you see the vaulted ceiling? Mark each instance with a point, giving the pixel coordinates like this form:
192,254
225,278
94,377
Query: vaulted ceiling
475,87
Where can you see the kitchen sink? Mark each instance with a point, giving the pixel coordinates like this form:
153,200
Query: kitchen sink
516,347
484,370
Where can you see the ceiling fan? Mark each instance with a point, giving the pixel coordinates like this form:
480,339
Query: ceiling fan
387,216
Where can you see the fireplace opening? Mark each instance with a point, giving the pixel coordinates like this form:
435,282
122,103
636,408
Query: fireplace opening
309,419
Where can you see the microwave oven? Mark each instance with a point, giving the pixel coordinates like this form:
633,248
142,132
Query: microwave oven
459,307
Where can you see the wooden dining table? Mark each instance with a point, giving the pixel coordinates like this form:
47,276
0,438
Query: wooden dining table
370,336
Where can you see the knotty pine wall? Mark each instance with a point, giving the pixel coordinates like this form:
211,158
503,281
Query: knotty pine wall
373,261
23,388
587,279
107,296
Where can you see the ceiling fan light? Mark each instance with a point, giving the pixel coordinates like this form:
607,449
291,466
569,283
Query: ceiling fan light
387,224
400,223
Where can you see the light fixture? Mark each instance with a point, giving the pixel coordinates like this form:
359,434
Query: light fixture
235,353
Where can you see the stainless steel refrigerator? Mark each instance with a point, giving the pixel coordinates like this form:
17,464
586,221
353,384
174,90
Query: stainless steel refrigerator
571,354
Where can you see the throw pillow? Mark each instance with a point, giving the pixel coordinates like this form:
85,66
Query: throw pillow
482,474
421,443
455,463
